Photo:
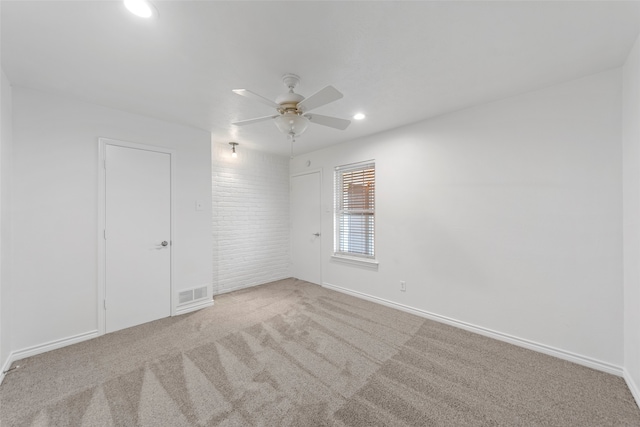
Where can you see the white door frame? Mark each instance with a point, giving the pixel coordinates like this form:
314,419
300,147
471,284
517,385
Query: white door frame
322,241
102,144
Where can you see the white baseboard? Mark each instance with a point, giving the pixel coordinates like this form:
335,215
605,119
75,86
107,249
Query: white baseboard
237,288
6,366
521,342
53,345
633,387
188,308
42,348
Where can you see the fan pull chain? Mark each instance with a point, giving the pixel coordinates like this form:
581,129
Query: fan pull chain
292,137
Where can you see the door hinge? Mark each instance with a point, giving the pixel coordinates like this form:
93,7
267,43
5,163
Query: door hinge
105,303
104,234
104,164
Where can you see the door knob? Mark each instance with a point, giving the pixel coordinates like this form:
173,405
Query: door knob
165,243
316,234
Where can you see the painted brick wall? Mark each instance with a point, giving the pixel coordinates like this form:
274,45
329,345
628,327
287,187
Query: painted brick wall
250,218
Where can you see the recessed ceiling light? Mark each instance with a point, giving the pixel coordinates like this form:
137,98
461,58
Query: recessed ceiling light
141,8
359,116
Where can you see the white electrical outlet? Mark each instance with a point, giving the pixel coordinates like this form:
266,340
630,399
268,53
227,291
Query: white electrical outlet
403,286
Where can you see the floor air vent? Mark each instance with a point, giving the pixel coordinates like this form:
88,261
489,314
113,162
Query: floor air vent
192,295
200,292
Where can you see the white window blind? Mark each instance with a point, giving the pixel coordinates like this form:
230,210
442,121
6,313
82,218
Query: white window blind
355,210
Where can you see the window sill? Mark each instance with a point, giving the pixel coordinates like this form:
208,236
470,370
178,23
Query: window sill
370,264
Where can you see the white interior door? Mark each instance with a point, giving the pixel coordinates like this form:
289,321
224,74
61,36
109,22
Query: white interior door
306,239
137,236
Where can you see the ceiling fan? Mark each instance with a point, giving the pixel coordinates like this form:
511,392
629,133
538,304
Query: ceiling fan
293,115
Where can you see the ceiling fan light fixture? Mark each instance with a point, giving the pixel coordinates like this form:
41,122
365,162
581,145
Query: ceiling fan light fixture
291,123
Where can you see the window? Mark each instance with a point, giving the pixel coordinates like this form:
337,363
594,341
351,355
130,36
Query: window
355,210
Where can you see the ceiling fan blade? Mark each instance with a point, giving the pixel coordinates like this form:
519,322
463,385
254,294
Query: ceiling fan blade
332,122
320,98
256,120
256,97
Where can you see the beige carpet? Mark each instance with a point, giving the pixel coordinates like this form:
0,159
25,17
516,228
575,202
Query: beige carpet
294,354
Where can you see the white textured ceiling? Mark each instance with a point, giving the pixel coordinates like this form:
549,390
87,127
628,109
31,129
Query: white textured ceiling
399,62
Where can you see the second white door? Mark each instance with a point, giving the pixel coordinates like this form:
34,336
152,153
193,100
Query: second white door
137,236
306,240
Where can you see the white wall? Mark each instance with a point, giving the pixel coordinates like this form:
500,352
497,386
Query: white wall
631,217
5,221
505,217
250,218
55,207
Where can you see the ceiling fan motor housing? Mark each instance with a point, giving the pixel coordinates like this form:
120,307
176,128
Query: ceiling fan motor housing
289,101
